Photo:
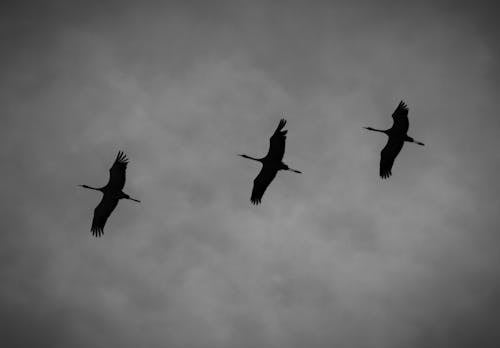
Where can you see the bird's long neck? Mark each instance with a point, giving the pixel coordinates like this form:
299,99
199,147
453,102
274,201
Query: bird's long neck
92,188
252,158
377,130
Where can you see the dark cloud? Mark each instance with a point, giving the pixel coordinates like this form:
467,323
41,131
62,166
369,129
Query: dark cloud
334,257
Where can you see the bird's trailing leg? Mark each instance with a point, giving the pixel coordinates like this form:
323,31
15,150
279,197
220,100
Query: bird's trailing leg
286,167
125,196
411,140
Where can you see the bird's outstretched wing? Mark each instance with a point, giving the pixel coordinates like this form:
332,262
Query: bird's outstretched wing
117,172
261,182
387,156
400,117
277,142
101,214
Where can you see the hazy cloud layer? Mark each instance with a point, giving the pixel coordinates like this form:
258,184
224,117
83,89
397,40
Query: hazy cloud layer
335,257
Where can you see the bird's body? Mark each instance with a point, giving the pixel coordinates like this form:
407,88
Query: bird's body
271,163
112,193
397,137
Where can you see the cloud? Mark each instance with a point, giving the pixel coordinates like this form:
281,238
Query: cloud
333,257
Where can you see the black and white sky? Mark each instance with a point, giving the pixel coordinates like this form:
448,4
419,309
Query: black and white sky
335,257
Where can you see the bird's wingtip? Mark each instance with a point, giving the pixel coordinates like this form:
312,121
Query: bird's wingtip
282,123
121,157
96,231
403,105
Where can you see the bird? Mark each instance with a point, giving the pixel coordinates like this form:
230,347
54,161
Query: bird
112,193
397,137
271,163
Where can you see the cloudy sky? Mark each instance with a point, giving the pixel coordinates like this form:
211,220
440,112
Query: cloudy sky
335,257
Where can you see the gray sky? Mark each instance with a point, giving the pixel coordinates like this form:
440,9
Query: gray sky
335,257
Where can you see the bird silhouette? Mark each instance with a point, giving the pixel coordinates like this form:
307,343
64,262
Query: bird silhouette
397,137
112,193
271,163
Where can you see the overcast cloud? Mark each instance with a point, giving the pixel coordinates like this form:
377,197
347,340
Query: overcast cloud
335,257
